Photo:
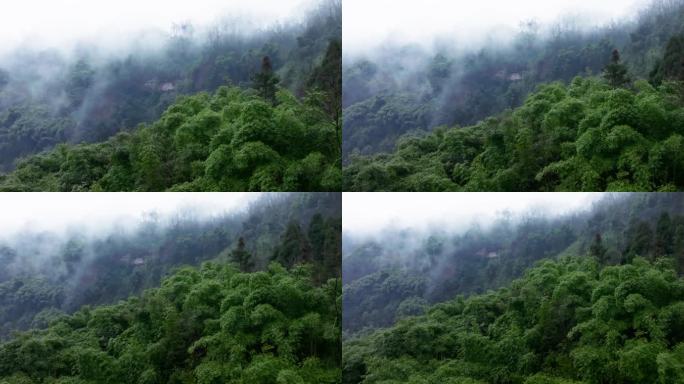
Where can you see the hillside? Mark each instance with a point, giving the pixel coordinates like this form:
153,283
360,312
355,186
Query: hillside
398,89
92,92
567,321
45,273
587,136
232,140
401,273
207,325
594,296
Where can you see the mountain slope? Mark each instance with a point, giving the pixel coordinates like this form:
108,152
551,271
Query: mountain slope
566,321
587,136
232,140
45,273
395,90
401,273
206,325
49,97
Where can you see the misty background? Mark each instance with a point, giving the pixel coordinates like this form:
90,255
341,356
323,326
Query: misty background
404,252
368,214
98,213
67,24
436,22
440,63
76,71
60,251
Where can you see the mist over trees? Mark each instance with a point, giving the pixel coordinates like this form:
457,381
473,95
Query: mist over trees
232,140
567,321
399,272
210,324
46,274
395,95
588,297
588,136
91,94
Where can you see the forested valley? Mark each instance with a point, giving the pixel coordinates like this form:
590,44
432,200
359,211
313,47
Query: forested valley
562,107
252,297
208,107
593,296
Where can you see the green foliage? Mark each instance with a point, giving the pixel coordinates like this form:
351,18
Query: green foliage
207,325
265,82
466,87
585,136
615,72
81,270
47,98
567,321
671,67
231,140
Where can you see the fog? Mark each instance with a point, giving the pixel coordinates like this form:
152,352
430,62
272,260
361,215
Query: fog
453,63
93,213
62,23
412,22
402,251
369,214
59,252
81,71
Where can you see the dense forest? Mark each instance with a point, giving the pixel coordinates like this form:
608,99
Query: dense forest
208,325
401,271
567,321
47,274
559,107
212,108
251,297
232,140
593,296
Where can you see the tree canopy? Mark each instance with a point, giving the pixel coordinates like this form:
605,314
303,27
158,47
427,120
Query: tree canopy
44,274
567,321
48,97
232,140
586,136
207,325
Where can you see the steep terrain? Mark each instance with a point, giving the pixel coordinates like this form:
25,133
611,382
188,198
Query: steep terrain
48,97
46,274
207,325
592,297
396,90
400,273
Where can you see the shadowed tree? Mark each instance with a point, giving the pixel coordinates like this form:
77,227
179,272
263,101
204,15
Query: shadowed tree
671,66
316,233
641,240
615,72
242,257
328,78
664,237
679,248
265,82
597,249
294,247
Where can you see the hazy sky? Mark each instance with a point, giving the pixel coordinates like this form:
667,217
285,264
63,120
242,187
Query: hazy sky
55,22
365,213
56,211
369,22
